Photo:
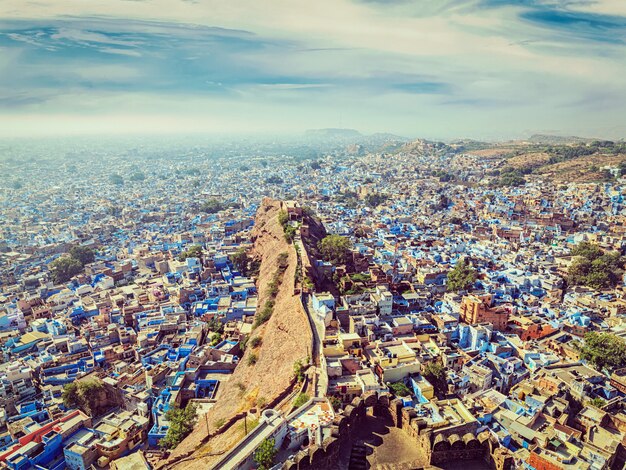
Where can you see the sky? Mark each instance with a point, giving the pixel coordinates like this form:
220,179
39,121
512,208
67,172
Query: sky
444,69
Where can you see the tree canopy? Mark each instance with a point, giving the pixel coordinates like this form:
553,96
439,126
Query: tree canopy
587,250
212,206
64,268
116,179
335,248
69,265
194,251
283,218
83,254
435,373
301,400
400,389
244,263
604,350
239,259
376,199
138,176
461,277
265,454
182,421
594,267
83,394
274,180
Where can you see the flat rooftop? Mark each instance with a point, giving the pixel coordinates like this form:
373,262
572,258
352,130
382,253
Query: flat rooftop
317,415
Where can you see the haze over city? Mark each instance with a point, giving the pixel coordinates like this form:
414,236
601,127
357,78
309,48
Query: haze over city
487,69
322,235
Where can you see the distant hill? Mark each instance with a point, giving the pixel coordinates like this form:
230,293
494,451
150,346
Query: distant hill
465,145
333,133
557,139
582,162
422,147
352,142
385,136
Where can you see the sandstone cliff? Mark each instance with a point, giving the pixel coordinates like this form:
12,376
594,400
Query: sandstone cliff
286,338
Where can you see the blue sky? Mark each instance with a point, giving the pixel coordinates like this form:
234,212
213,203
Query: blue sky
491,69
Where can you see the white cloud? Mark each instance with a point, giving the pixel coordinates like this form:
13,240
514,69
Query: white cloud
502,74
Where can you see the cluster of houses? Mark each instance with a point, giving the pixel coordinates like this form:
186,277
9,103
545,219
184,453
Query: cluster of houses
158,329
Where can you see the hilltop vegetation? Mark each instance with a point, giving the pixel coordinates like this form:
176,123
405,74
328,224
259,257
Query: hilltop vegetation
582,161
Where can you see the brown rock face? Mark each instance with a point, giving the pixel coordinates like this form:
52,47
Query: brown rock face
286,338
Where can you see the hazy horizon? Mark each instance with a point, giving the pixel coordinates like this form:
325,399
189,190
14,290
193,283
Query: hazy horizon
442,70
200,138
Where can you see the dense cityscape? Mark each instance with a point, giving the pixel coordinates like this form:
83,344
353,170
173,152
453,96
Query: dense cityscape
334,301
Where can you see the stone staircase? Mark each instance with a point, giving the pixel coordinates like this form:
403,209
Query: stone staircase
358,457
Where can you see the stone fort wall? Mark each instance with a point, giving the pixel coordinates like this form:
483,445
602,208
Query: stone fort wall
438,445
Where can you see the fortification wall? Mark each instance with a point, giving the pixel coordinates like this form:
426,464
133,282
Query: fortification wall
459,443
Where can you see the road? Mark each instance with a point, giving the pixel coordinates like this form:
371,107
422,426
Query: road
318,330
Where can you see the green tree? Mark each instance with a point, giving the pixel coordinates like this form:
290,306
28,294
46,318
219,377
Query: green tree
604,350
301,400
116,179
181,423
283,218
194,251
290,233
83,394
512,177
243,342
336,403
138,176
252,359
212,206
83,254
70,395
375,199
216,338
461,277
215,325
335,248
298,370
240,260
264,314
597,402
400,389
435,373
594,267
578,271
588,250
64,268
265,454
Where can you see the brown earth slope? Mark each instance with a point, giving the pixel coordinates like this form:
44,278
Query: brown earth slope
286,338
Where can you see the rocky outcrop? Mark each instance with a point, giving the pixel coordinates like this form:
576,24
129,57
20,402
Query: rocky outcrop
286,338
